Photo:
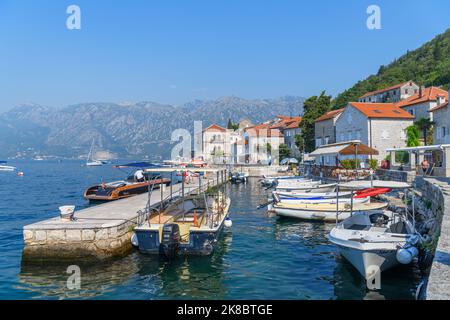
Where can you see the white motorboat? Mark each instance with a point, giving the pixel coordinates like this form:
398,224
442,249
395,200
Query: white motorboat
328,200
310,194
314,186
374,241
4,167
327,212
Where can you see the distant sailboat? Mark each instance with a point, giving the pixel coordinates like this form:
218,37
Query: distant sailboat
92,162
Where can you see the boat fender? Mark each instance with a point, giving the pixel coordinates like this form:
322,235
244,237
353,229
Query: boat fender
228,223
406,254
208,247
134,240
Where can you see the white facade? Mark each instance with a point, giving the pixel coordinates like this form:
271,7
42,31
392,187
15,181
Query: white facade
392,94
377,133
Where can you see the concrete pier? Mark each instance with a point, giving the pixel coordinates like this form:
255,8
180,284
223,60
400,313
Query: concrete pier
100,231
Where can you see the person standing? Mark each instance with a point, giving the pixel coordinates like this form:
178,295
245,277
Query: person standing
425,166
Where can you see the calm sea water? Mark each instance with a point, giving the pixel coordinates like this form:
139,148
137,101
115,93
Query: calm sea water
258,258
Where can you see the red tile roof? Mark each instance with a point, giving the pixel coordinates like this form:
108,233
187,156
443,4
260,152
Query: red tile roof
381,110
215,127
263,129
429,94
385,89
330,115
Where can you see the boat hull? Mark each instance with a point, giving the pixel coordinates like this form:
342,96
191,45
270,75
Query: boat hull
325,216
369,262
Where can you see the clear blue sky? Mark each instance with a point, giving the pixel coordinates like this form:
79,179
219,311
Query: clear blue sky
174,51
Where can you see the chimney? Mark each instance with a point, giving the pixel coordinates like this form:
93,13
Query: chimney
421,91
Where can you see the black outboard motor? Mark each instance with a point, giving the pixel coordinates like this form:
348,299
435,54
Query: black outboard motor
170,239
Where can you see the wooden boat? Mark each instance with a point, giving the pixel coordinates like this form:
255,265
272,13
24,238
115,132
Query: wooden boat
190,226
126,188
121,189
323,211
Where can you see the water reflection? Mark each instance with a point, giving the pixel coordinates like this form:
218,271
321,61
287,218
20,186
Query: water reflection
146,276
49,280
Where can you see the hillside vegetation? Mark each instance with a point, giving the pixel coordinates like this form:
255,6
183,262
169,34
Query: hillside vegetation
428,65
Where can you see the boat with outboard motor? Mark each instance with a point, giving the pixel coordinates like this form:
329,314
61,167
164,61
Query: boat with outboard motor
311,186
187,225
375,241
132,186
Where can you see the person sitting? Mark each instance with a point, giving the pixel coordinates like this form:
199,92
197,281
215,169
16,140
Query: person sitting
425,166
139,176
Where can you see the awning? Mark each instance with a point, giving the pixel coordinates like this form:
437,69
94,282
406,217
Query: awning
344,148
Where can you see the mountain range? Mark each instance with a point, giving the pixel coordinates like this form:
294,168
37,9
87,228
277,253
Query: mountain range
132,129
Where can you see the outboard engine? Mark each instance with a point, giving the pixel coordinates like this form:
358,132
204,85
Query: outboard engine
170,239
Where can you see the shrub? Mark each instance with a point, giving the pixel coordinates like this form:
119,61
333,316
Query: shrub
350,163
373,164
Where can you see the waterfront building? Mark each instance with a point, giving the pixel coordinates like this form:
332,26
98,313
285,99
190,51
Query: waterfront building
219,144
325,128
377,125
420,104
289,127
391,94
441,118
259,140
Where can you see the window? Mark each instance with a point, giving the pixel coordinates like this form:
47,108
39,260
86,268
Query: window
406,91
327,139
411,111
385,134
318,142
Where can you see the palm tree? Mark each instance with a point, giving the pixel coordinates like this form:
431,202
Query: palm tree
424,125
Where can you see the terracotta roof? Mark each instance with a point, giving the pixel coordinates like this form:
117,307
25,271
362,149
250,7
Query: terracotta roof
294,124
330,115
429,94
286,122
385,89
442,106
381,110
215,127
263,128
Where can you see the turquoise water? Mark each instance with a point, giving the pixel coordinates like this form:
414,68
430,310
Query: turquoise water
258,258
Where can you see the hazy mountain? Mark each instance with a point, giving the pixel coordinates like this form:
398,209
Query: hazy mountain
137,129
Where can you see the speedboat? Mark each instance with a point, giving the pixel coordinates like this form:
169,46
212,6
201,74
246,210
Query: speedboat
189,226
126,188
310,195
375,241
327,212
4,167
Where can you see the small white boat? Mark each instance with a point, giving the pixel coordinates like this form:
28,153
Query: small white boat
310,194
4,167
7,168
375,241
323,211
328,200
314,186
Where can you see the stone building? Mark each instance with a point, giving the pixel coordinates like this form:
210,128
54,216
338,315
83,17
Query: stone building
420,104
325,127
391,94
377,125
441,118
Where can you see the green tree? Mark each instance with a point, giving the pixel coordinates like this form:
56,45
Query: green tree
424,125
284,151
230,124
412,136
313,107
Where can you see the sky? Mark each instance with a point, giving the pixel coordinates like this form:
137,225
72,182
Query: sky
176,51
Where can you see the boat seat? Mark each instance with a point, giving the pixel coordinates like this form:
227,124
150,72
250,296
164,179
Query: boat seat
399,227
